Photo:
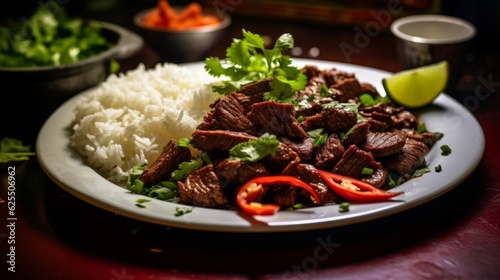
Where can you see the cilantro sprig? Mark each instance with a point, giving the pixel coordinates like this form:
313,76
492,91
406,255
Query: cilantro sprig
248,60
13,150
255,150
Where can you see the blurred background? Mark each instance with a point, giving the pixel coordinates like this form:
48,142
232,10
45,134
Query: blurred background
336,19
485,14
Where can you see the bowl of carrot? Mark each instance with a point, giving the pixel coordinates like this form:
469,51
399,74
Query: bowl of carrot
181,33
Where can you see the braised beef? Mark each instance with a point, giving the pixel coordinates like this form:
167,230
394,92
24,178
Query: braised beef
370,89
406,119
233,172
334,76
285,196
166,163
228,114
284,162
202,188
218,140
347,89
409,159
333,119
382,144
352,162
357,134
428,138
309,173
277,119
379,176
309,110
304,148
377,126
328,154
255,91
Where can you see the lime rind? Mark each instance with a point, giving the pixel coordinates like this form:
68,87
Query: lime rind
417,87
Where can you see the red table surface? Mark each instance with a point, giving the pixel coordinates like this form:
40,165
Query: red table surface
455,236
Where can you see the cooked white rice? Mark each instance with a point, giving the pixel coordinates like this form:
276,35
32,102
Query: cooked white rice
128,118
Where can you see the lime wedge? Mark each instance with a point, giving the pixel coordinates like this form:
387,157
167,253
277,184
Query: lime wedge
417,87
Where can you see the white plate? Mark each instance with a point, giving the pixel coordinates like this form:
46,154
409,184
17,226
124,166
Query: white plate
461,131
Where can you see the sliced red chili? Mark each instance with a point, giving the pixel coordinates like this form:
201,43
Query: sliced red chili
355,190
252,191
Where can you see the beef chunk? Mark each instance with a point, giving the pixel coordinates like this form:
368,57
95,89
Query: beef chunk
285,196
276,118
305,148
218,140
406,119
310,71
379,175
202,188
234,172
370,89
382,144
166,163
309,110
328,154
411,158
255,91
228,114
334,76
352,162
377,126
428,138
357,134
284,162
347,89
333,119
308,173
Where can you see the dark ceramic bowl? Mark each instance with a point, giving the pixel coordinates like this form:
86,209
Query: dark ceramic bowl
66,80
186,45
30,94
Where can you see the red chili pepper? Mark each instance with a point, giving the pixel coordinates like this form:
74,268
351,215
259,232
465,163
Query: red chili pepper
354,189
252,190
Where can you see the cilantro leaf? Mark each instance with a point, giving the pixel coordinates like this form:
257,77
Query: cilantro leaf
13,150
248,60
186,168
255,150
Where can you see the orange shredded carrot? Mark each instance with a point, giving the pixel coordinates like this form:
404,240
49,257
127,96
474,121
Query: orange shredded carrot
165,16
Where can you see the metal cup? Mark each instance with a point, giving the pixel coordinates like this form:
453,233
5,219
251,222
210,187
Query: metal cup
427,39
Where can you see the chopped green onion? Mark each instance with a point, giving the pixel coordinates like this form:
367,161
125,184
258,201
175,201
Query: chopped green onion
344,207
421,128
367,171
445,150
438,168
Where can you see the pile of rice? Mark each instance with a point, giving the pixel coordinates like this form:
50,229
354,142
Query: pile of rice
128,119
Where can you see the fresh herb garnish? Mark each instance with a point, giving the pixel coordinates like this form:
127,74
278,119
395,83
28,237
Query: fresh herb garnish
140,202
186,168
344,207
421,128
438,168
255,150
367,171
367,100
49,37
13,150
420,172
445,150
179,211
248,60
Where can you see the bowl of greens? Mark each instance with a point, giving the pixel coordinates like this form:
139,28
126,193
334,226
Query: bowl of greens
48,57
54,55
